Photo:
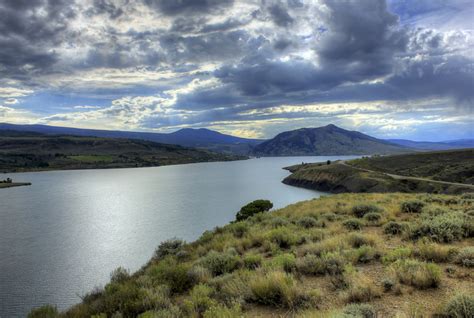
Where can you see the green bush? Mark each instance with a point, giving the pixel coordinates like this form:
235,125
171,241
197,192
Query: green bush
199,300
283,237
394,228
239,229
285,262
442,228
169,247
373,217
352,224
329,263
220,263
46,311
356,240
307,222
397,254
278,222
460,306
279,289
119,275
413,206
252,261
252,208
418,274
172,274
157,297
363,254
465,257
434,252
359,311
362,209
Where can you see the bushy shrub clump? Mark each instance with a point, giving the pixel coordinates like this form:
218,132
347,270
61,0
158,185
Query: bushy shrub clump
119,275
465,257
413,206
199,300
373,218
444,228
356,240
363,254
279,289
352,224
283,237
278,222
172,274
220,263
307,222
363,209
394,228
434,252
169,247
252,261
361,289
460,306
252,208
358,311
285,262
418,274
221,311
329,263
239,229
397,254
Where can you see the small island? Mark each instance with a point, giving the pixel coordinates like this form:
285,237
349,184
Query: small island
8,183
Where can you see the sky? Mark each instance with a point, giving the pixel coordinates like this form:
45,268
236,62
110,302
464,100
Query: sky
391,69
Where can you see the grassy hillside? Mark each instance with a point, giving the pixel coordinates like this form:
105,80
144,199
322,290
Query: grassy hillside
452,166
29,152
449,172
349,255
327,140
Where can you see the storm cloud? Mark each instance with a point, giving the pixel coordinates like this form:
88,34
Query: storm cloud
212,63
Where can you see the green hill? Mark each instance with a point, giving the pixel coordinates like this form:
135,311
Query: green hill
327,140
349,255
33,151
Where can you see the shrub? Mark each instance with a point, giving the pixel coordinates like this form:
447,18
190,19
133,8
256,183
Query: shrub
278,222
460,306
413,206
359,311
363,254
239,229
252,208
417,274
397,254
361,289
283,237
119,275
329,263
442,228
356,240
352,224
221,311
172,274
331,217
373,217
394,228
307,222
433,252
279,289
46,311
220,263
465,257
199,274
169,247
157,297
387,284
252,261
199,300
172,312
285,262
362,209
233,288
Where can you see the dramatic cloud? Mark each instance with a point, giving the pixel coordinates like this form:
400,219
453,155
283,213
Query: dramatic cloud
251,67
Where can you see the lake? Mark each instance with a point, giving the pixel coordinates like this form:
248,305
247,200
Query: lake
64,234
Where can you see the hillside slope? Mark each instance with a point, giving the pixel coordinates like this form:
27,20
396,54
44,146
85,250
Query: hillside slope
188,137
435,172
319,258
33,151
327,140
428,145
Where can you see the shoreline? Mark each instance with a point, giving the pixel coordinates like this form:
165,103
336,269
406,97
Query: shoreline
14,184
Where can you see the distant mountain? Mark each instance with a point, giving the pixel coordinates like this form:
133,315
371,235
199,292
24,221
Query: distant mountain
327,140
429,145
188,137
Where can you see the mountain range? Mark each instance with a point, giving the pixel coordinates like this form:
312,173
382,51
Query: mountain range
327,140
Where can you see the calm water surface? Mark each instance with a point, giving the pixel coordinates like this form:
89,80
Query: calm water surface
63,235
